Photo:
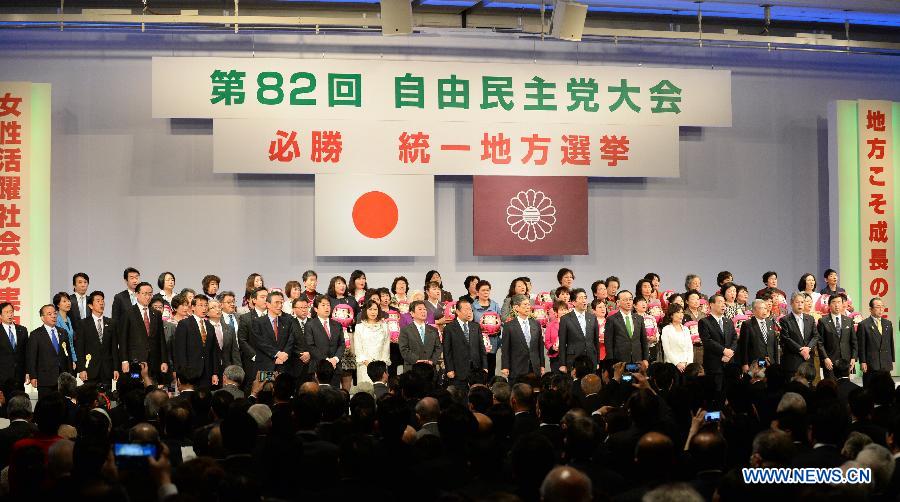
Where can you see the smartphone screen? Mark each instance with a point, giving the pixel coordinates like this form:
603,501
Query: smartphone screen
627,378
632,367
761,363
713,416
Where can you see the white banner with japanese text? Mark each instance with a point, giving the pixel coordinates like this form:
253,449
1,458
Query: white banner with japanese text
876,201
15,208
294,146
439,91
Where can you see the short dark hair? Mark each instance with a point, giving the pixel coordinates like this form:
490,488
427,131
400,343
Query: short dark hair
324,371
574,293
560,290
130,270
562,273
161,280
318,301
768,274
376,370
828,272
712,299
58,298
801,284
141,285
461,302
721,276
273,294
842,296
199,298
413,305
481,284
872,301
470,278
301,298
396,280
841,368
309,273
613,278
178,300
619,293
90,298
209,279
82,275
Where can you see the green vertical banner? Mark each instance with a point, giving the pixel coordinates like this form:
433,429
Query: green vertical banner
866,132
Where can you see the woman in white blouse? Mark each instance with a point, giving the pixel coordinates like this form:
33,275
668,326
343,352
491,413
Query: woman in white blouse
676,339
371,341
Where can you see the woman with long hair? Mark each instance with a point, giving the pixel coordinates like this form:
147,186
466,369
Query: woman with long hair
254,281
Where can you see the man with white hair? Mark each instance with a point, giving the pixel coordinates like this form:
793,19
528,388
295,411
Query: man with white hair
757,340
879,459
232,380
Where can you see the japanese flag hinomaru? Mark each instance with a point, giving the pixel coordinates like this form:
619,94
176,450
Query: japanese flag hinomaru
374,215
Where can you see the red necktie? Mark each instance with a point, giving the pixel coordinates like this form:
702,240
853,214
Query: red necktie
327,331
146,321
275,327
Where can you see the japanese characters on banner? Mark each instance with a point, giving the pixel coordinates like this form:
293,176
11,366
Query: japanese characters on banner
876,197
405,147
15,156
427,117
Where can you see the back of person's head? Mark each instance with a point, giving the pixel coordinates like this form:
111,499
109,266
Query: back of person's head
707,450
502,418
480,398
501,392
772,448
154,402
143,433
882,386
412,387
362,412
565,484
307,410
334,404
643,408
807,371
551,407
376,370
238,431
87,395
235,374
672,492
59,459
829,423
841,368
582,366
792,402
176,420
221,401
199,479
581,439
521,397
392,417
531,458
854,444
655,454
425,372
88,457
324,372
457,426
590,385
284,387
50,413
879,459
861,403
427,410
663,376
19,407
67,385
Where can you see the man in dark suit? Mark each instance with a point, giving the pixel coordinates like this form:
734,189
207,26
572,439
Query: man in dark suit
521,399
20,427
80,309
876,341
463,346
96,341
141,337
124,300
226,337
579,333
522,345
196,351
419,342
836,336
47,353
798,336
12,350
758,338
625,337
245,321
844,385
299,313
273,336
325,338
719,340
377,371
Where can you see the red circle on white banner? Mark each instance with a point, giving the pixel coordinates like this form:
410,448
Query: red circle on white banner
375,214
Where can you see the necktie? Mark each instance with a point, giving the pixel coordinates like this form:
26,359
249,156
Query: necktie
721,326
526,330
146,320
54,340
219,336
231,322
12,338
325,323
837,325
422,334
765,334
466,331
275,327
800,323
100,330
203,331
133,298
628,327
878,325
81,308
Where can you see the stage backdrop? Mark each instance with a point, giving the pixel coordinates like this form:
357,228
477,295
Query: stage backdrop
129,189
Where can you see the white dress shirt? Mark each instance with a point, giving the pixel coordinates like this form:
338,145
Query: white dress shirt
677,346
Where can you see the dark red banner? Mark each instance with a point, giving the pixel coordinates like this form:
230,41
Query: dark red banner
530,215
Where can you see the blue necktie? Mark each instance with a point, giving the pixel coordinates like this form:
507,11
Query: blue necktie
54,340
527,331
12,338
422,334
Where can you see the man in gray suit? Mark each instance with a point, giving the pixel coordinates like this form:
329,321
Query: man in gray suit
876,341
418,341
229,349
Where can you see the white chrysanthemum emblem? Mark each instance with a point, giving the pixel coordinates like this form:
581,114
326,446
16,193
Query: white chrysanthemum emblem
531,215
